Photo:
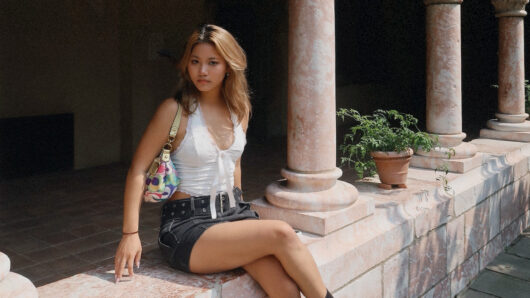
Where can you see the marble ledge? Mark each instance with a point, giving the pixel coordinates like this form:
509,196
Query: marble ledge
517,136
399,219
316,222
454,165
153,279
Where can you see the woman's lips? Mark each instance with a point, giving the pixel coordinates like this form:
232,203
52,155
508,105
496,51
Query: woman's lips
203,81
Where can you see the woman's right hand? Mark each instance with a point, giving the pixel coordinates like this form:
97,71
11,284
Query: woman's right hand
128,253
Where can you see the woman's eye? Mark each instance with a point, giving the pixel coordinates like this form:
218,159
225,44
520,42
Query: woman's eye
193,61
214,62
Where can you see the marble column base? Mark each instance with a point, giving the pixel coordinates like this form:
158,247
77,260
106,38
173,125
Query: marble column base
509,126
5,265
511,118
517,136
461,151
304,197
464,158
16,285
316,222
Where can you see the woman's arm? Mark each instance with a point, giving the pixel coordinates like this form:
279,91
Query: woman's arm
155,136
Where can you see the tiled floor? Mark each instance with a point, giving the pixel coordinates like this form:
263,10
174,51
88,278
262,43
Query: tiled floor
59,224
507,276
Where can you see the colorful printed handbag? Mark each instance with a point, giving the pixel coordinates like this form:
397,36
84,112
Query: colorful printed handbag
162,180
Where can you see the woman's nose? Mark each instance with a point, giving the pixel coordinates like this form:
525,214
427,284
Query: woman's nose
202,69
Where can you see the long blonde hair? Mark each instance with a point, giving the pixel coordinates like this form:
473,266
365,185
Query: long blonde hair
235,87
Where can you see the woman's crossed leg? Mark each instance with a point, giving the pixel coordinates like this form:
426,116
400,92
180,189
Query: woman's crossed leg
230,245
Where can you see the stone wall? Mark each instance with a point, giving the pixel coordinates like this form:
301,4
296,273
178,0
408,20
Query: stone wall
444,241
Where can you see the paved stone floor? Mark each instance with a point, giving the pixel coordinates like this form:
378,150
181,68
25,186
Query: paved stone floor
508,275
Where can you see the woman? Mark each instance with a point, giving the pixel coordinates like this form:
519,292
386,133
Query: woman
205,226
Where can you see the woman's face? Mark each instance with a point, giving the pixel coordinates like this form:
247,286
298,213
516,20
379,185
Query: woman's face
206,68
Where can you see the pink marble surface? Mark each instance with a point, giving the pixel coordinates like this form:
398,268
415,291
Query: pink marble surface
463,274
461,165
428,261
396,275
369,285
340,195
5,265
349,252
311,142
498,147
316,222
511,65
509,8
432,217
455,243
477,223
16,285
505,135
457,151
311,173
510,127
514,202
153,279
444,78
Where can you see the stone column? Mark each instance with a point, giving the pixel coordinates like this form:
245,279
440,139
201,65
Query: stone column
311,173
444,79
511,116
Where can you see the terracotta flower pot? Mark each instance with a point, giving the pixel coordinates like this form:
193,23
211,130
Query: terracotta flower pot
392,167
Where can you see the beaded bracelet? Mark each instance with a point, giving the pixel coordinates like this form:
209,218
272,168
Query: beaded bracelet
123,233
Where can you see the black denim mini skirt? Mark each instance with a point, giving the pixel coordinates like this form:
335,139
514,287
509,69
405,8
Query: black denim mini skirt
184,220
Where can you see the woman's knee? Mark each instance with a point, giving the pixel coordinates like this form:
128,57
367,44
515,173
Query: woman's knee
284,235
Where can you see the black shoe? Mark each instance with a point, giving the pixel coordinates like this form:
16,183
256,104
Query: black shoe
328,295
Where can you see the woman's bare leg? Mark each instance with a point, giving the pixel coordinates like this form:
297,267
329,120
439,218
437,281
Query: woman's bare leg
269,273
230,245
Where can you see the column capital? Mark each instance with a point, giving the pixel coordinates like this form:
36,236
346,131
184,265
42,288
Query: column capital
509,8
433,2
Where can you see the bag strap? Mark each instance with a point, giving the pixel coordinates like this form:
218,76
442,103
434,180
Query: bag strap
175,125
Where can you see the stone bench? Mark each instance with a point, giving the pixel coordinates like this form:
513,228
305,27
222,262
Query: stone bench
154,278
12,284
414,242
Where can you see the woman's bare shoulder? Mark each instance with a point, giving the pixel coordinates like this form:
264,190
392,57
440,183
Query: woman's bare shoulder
169,104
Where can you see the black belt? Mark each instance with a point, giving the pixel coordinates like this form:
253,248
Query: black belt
194,206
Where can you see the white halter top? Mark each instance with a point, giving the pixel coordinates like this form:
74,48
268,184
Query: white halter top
202,167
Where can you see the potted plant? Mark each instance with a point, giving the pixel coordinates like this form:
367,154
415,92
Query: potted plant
384,141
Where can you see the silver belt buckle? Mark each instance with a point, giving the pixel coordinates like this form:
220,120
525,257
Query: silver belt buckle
192,203
221,201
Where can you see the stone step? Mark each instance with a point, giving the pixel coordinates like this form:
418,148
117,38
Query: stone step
15,285
5,265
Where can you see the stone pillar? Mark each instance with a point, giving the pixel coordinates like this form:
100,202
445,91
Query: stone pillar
511,116
444,79
311,174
